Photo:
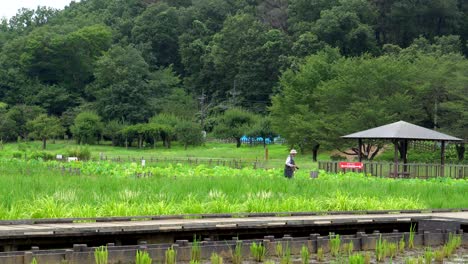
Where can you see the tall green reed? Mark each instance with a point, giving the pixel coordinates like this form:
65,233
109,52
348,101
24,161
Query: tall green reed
320,254
171,256
236,256
356,259
195,251
216,259
286,258
101,255
305,255
335,244
143,257
279,249
258,251
411,236
428,254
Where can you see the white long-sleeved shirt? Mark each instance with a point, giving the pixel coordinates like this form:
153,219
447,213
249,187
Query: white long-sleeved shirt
288,161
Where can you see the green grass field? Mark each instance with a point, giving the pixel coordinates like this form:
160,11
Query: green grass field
37,189
277,153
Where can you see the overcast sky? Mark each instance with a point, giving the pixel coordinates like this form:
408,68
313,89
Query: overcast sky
8,8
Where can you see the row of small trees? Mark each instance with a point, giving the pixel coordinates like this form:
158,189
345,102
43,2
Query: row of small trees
88,128
233,123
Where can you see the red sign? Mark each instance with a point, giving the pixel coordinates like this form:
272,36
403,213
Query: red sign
351,165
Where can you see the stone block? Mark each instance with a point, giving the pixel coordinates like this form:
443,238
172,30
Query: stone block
433,239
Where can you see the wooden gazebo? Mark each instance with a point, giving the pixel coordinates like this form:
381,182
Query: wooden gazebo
400,133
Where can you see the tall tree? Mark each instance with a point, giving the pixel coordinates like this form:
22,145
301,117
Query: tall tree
214,12
44,127
263,128
7,125
348,27
21,114
68,58
120,15
163,83
121,87
294,110
441,89
245,56
53,98
178,103
189,133
27,19
234,123
87,128
367,92
166,124
156,33
274,13
302,13
401,21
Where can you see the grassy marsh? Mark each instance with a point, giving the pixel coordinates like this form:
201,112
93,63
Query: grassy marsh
31,189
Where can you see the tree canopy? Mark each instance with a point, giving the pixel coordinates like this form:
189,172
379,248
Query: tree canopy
318,68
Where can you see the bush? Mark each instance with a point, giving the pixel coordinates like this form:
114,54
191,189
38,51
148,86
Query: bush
424,157
387,155
17,155
41,155
83,153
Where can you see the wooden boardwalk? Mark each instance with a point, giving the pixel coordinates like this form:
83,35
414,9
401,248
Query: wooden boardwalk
19,230
75,241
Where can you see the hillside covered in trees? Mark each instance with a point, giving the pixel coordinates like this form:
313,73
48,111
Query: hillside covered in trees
317,68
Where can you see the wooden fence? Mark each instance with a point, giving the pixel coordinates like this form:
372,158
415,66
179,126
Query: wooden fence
232,163
409,170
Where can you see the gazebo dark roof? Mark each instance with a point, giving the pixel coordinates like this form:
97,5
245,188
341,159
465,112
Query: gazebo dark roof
402,130
400,133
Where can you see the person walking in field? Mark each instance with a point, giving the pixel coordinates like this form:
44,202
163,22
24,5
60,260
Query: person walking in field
290,166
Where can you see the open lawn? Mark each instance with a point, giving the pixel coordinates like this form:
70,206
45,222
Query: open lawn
276,153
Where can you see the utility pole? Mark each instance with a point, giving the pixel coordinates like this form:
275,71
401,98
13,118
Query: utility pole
202,108
234,94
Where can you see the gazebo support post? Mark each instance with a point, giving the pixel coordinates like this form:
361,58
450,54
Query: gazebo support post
396,158
359,149
442,159
405,154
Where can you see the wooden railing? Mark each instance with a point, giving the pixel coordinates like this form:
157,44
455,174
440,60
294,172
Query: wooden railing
233,163
409,170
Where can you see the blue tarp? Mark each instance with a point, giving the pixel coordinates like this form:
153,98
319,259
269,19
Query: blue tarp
245,139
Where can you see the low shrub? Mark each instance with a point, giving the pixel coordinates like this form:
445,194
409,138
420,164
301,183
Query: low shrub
17,155
83,153
41,155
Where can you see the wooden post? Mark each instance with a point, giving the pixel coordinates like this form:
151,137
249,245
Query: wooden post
359,149
442,159
266,153
396,158
405,154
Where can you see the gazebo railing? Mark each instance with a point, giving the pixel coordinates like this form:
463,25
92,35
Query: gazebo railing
408,170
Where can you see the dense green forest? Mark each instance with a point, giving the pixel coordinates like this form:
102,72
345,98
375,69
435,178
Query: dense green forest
309,70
